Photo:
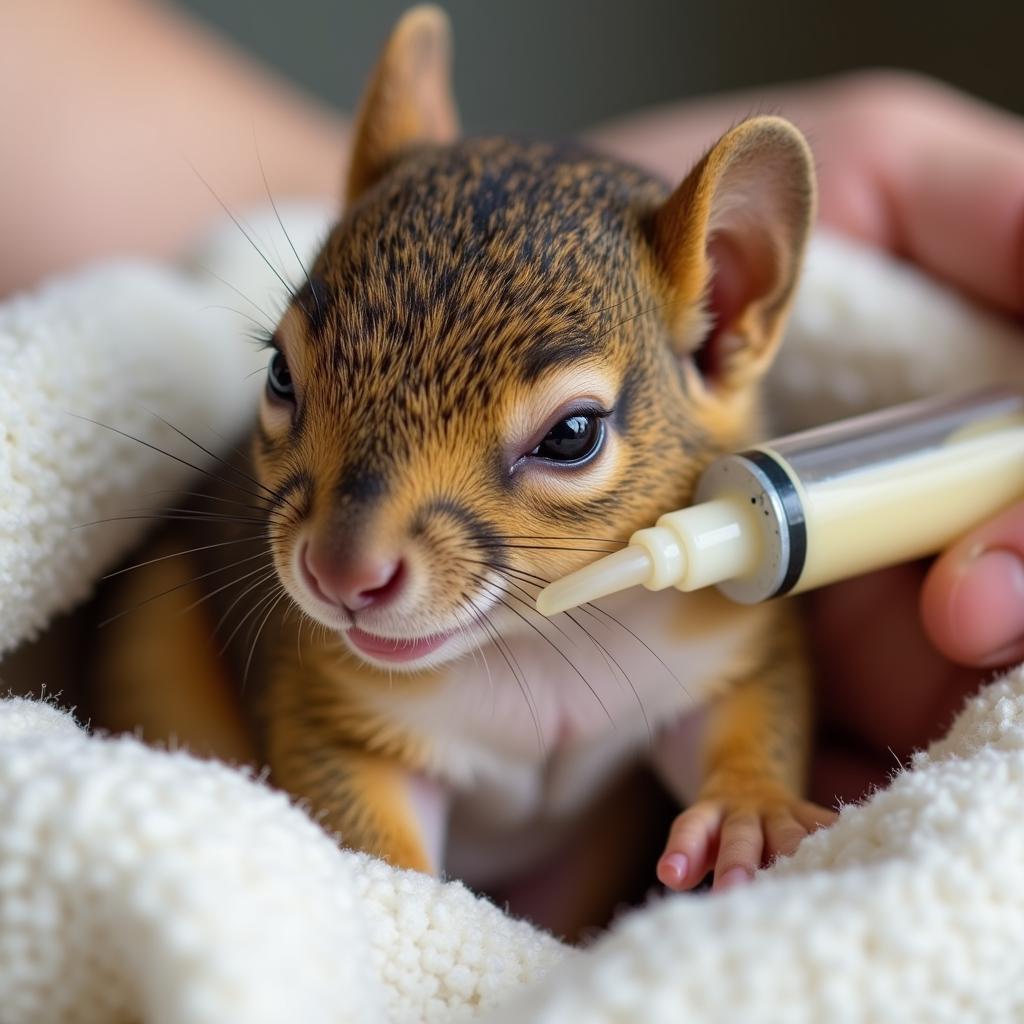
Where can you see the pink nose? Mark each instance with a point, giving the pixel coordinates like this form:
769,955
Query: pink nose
354,583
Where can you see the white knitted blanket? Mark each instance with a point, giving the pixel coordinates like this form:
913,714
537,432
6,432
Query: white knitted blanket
139,885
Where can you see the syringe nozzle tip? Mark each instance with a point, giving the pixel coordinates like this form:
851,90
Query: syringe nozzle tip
626,568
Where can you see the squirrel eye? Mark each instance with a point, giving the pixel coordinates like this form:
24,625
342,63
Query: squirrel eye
574,440
279,378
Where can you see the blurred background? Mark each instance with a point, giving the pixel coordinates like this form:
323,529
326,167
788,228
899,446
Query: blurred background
556,66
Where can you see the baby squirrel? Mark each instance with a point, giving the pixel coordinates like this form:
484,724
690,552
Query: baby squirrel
507,356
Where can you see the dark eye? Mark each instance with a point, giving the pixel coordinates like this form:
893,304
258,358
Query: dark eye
279,378
575,439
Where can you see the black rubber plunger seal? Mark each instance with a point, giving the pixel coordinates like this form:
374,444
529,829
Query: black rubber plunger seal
793,508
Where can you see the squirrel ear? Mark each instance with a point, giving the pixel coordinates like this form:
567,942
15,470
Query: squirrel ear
408,101
730,240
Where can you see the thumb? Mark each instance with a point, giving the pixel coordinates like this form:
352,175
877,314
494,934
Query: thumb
972,602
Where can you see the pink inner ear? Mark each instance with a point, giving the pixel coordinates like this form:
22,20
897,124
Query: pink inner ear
728,296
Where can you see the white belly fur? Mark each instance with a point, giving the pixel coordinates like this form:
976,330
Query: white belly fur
521,767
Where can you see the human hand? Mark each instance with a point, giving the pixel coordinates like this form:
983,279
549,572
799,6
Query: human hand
936,178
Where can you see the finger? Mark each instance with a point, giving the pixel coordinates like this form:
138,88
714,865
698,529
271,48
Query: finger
972,602
782,835
739,849
812,817
686,859
936,177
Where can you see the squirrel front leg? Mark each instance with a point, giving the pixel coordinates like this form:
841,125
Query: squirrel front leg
376,803
749,807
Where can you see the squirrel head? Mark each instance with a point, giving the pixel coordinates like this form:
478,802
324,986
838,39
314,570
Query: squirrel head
510,355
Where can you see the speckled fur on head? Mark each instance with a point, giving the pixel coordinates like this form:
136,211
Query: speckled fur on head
476,289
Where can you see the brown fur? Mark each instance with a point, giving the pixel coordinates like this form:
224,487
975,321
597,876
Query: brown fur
463,278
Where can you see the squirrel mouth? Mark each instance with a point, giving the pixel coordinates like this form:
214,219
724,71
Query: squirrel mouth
386,648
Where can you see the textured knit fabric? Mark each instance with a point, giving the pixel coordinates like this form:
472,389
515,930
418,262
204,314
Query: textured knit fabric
118,346
144,885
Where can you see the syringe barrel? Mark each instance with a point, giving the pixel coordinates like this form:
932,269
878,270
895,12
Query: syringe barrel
874,490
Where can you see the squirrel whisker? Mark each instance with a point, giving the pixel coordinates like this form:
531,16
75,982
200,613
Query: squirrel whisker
503,648
252,649
533,580
190,582
529,606
284,230
220,622
180,554
248,477
191,465
288,286
271,320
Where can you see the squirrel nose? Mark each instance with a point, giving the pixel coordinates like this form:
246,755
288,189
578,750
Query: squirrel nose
353,583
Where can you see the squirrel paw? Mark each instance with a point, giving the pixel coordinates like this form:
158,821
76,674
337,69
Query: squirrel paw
736,835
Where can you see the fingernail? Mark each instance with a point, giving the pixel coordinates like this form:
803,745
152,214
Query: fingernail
987,604
733,877
672,869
